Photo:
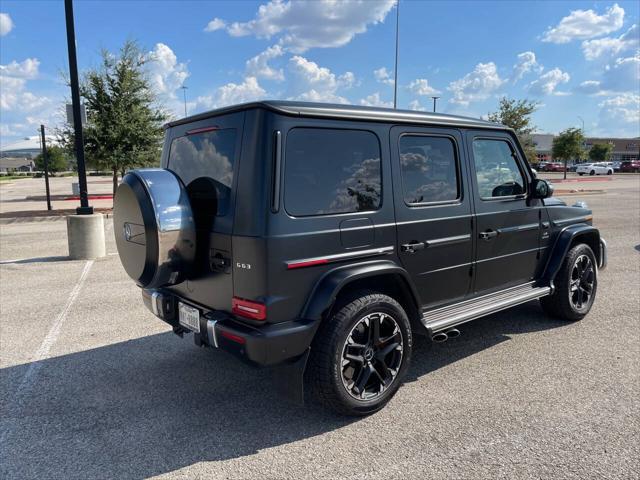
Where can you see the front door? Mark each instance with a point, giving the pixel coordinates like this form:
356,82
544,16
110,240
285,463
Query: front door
507,221
433,211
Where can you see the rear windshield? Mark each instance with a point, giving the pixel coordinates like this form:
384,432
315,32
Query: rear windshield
207,157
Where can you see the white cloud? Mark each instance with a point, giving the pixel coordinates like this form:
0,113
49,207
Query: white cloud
548,82
415,105
318,24
526,63
232,93
259,67
6,24
620,116
623,75
27,69
585,24
13,83
382,75
611,46
348,80
314,83
166,74
477,85
420,86
374,100
215,24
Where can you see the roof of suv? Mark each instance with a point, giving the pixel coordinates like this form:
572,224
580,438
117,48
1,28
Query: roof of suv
351,112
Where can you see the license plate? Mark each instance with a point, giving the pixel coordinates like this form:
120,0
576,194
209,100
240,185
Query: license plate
189,317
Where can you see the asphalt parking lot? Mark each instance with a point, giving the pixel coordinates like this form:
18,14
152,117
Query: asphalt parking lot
94,386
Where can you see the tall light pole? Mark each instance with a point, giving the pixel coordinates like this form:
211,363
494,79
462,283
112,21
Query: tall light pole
582,120
184,94
435,99
395,70
84,208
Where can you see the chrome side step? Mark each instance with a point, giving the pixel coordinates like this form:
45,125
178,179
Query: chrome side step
452,315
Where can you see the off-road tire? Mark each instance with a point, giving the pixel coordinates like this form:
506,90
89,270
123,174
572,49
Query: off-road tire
324,376
559,304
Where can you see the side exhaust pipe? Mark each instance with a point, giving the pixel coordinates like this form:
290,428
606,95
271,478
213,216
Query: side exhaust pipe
453,333
439,337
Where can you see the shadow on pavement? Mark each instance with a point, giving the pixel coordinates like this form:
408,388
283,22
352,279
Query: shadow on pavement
36,260
155,404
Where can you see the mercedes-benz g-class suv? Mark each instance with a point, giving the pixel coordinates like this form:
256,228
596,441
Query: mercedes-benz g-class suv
323,237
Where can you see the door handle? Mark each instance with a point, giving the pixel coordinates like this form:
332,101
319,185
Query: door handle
488,235
412,247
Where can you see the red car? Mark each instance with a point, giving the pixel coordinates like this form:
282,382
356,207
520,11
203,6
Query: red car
630,167
553,167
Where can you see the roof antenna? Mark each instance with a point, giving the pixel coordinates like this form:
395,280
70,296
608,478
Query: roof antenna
395,70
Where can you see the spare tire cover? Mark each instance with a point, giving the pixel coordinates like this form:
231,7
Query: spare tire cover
154,227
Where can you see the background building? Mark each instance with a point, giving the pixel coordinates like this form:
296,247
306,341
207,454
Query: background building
624,149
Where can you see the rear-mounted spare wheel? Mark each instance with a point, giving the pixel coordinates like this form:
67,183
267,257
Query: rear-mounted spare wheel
154,227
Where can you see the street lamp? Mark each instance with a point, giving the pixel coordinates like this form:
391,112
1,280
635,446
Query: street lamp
184,94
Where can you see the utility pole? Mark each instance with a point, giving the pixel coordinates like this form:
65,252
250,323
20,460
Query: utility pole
45,157
84,208
184,94
395,70
435,99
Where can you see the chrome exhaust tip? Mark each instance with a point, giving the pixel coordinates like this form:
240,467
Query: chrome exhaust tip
453,333
439,337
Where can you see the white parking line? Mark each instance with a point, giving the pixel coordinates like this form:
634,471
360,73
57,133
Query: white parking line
43,351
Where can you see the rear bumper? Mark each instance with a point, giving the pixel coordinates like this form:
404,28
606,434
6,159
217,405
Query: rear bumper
270,344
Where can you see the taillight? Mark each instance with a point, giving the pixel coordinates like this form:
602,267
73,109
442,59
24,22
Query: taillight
248,309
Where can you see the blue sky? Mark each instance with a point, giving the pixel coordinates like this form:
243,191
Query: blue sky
577,59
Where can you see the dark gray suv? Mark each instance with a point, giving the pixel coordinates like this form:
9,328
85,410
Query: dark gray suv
322,238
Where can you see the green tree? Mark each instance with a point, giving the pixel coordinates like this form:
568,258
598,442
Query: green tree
516,114
58,160
124,122
568,145
600,152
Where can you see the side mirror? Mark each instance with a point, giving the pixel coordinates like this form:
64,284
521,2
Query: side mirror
541,188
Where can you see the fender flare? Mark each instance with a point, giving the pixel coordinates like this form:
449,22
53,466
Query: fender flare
328,287
562,244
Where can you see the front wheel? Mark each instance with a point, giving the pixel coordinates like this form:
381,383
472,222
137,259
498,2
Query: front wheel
592,172
575,285
609,172
360,355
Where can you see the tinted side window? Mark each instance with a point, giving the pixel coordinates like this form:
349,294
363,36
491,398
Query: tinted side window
497,170
331,171
429,170
208,156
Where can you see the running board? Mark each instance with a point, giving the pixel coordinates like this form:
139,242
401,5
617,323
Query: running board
452,315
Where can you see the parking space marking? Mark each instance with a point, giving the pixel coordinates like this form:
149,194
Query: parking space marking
48,342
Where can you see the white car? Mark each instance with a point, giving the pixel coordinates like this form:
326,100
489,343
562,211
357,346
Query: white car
594,169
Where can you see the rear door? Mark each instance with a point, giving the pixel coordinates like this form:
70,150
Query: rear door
507,222
433,211
205,155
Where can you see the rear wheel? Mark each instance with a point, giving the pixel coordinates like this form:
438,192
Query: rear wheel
360,355
609,172
575,285
592,172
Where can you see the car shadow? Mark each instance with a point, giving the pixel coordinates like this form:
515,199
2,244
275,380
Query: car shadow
153,405
36,260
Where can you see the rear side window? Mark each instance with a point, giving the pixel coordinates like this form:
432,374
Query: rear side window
429,169
207,157
329,171
497,171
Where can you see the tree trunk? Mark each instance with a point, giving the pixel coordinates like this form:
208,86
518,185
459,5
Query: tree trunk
115,181
565,168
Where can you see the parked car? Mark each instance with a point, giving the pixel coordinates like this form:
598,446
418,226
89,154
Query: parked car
322,238
630,166
554,167
616,166
594,169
